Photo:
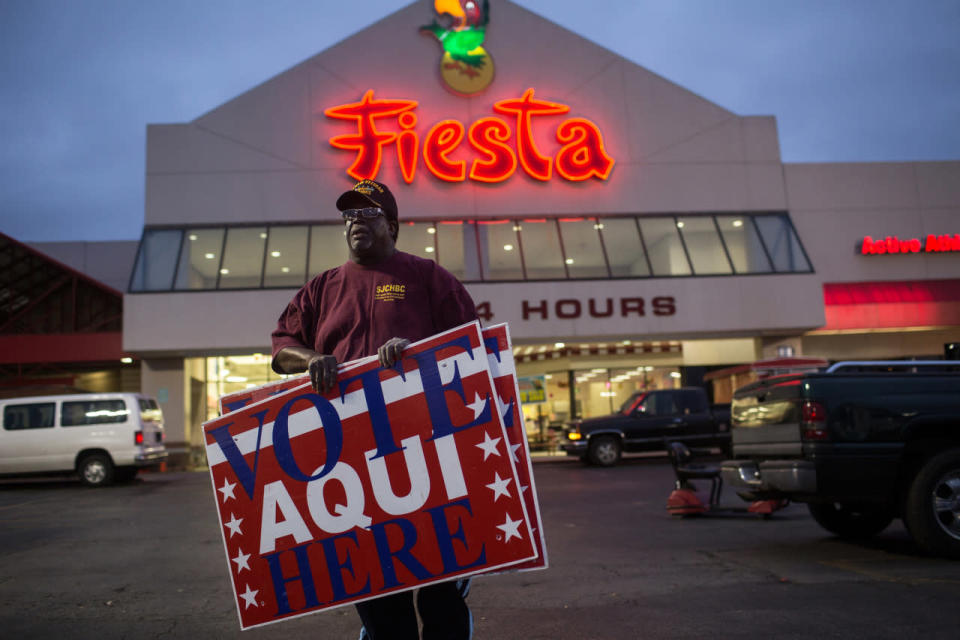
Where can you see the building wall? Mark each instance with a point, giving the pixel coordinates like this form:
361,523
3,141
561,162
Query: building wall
109,262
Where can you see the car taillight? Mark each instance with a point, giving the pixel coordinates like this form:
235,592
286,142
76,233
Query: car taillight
813,421
138,437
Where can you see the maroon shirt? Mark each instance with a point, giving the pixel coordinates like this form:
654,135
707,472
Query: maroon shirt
350,311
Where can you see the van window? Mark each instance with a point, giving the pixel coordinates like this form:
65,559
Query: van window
86,412
149,411
38,415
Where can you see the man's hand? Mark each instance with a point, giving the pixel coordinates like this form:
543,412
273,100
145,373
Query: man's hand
323,372
389,353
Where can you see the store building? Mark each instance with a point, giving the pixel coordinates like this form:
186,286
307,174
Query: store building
632,233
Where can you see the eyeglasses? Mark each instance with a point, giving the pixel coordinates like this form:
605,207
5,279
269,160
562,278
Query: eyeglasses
350,215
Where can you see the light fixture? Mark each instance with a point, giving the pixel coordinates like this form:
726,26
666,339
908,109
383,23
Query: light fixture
224,271
275,254
508,247
263,235
193,236
517,227
569,260
428,249
126,360
209,256
738,223
431,230
598,226
285,269
674,374
680,225
236,379
559,345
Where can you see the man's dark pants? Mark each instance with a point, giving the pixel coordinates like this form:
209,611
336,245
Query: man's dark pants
442,608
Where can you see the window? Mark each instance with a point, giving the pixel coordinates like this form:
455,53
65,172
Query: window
285,264
582,249
28,416
328,248
488,250
706,251
662,403
541,250
418,238
200,259
243,258
156,260
782,243
662,239
78,414
743,244
500,247
621,239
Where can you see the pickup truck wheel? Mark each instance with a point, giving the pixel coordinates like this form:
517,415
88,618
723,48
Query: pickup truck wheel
932,512
849,521
96,470
604,451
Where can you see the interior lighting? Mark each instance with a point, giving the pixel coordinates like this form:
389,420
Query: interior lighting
648,368
126,360
428,249
674,374
193,236
559,345
431,229
680,225
569,260
209,256
598,370
263,235
224,271
508,247
517,227
598,226
235,379
285,269
738,223
275,254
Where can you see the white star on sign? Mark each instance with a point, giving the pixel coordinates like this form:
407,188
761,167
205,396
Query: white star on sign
477,406
234,525
510,528
489,446
241,560
499,486
250,596
504,407
227,489
513,452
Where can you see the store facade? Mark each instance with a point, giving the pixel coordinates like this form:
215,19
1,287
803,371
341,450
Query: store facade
632,234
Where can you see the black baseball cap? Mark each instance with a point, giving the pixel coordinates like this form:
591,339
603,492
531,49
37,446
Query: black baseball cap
368,193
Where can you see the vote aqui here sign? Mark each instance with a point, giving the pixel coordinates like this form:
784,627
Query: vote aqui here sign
395,479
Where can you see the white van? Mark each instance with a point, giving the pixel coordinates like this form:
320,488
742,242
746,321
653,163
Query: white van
101,436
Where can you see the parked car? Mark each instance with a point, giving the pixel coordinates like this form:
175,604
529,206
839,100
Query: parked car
647,421
861,443
102,437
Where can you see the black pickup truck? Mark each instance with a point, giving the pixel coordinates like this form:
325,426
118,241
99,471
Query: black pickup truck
647,421
861,443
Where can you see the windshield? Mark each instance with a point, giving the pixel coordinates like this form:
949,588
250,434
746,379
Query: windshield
627,407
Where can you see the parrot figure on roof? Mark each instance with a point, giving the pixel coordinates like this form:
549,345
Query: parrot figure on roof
466,67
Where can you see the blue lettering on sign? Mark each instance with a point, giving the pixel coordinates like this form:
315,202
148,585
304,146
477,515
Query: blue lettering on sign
305,576
404,554
332,433
435,391
334,567
245,475
376,410
445,537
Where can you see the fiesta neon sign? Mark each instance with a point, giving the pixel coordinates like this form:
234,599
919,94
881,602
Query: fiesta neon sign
892,244
499,147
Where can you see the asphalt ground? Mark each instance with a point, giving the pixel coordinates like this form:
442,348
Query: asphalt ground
146,560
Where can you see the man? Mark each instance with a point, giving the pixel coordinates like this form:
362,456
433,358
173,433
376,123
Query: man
379,300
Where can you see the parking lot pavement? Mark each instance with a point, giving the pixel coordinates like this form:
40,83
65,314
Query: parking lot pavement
146,560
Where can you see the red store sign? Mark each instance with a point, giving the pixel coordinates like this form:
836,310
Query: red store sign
892,244
497,146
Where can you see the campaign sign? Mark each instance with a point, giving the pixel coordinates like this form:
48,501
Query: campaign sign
397,478
504,372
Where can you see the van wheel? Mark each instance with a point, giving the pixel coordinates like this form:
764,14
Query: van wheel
849,521
96,470
932,512
604,451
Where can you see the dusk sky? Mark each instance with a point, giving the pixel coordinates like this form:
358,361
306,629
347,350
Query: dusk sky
848,81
